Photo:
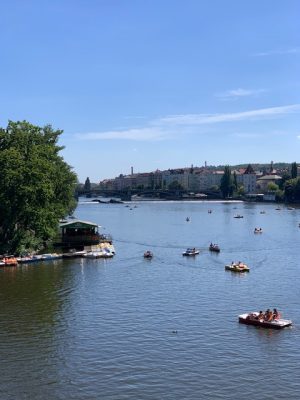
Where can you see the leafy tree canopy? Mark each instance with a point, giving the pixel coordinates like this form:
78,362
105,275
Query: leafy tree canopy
226,185
36,186
292,190
175,185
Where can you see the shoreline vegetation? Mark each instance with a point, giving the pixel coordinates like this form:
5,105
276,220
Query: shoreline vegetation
36,187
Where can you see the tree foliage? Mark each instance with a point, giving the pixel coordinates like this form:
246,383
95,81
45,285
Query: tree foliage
87,184
292,190
272,187
36,186
226,185
175,185
294,171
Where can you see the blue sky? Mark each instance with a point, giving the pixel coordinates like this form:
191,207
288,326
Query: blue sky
155,84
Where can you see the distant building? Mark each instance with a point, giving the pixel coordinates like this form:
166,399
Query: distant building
263,182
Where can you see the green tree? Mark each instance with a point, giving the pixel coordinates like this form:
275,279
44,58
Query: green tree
241,190
36,186
235,181
284,177
175,185
272,187
87,185
226,185
294,171
292,190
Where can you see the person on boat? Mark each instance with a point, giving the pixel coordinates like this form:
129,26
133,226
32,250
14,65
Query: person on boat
268,315
276,314
260,316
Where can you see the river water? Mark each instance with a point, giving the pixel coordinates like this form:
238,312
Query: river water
166,328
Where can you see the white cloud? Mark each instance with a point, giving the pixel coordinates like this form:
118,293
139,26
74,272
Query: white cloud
200,119
139,134
238,93
169,126
292,50
246,135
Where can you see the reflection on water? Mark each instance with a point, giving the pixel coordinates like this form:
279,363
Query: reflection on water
90,329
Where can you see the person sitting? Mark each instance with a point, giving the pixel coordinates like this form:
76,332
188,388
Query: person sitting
268,315
260,316
276,314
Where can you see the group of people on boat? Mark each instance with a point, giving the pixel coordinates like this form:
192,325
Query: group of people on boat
214,247
257,230
267,316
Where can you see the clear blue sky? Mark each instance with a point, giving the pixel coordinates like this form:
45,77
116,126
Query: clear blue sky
155,84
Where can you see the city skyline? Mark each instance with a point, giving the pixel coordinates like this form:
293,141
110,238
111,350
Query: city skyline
155,85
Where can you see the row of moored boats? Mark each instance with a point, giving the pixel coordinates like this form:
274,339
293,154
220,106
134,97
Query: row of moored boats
101,252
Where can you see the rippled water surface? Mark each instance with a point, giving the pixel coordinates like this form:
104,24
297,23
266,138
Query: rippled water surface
166,328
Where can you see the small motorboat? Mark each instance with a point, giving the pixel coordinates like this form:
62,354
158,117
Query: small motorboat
190,252
187,219
74,253
148,254
238,216
51,256
99,254
258,230
29,259
214,247
237,267
278,209
262,212
252,319
209,211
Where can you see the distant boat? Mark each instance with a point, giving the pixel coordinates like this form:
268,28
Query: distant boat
148,254
251,319
214,247
258,230
187,219
237,267
190,252
238,216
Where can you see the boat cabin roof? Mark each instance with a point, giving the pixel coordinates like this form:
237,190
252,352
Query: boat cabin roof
75,224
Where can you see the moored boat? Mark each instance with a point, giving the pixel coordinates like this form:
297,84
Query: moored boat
74,253
238,216
252,319
237,267
29,259
190,252
51,256
10,261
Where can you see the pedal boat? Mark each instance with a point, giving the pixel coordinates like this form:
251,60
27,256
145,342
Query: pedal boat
249,319
237,267
215,248
190,252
